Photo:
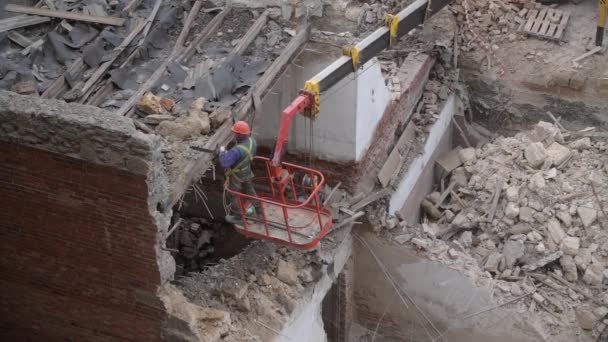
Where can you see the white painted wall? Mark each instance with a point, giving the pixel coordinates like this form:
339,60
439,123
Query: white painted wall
350,110
409,180
372,99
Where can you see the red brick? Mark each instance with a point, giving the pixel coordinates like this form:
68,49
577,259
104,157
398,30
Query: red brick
77,241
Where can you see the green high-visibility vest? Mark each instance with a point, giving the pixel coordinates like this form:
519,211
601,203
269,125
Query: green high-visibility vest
242,169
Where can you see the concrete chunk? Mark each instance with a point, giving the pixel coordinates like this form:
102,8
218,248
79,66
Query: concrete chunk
286,272
513,250
493,262
467,154
587,215
568,267
511,210
581,144
535,154
555,230
557,153
570,245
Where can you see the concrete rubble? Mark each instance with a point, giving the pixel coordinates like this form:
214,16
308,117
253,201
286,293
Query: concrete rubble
531,216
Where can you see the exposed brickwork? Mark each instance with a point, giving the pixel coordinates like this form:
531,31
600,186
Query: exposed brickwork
337,310
77,242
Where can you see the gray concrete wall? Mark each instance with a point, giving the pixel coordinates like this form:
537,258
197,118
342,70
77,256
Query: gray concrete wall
445,296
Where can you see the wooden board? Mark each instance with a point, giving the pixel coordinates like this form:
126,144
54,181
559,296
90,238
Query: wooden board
546,23
303,223
21,21
65,15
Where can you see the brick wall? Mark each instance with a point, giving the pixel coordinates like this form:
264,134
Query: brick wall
77,250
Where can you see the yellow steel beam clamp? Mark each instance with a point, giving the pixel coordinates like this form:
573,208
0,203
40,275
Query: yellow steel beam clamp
353,53
392,22
311,87
601,22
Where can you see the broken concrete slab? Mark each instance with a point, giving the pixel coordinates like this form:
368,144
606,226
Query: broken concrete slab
535,154
587,215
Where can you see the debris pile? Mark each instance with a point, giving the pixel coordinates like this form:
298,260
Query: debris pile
193,241
258,289
530,212
484,24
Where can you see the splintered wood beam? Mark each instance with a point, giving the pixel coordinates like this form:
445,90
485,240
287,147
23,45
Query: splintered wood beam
158,73
205,35
251,34
60,85
21,21
65,15
222,134
101,70
179,44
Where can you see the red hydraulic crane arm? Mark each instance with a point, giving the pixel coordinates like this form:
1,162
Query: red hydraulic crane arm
299,104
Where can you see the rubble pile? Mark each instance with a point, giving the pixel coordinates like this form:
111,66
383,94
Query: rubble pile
193,239
257,289
529,213
485,24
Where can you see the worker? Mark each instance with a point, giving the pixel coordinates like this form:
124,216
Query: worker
237,162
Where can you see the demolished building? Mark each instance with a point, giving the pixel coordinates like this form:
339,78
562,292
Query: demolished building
114,207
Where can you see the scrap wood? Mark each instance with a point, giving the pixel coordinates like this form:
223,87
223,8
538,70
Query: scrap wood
444,195
492,212
151,18
65,15
331,194
347,220
149,21
585,55
222,134
174,227
131,6
251,34
34,45
19,39
176,55
188,24
555,121
101,70
205,35
21,21
371,199
142,126
60,85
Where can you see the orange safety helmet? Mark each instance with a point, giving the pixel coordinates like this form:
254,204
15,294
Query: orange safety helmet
240,127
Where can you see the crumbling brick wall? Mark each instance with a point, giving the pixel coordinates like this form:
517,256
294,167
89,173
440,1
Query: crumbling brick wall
81,222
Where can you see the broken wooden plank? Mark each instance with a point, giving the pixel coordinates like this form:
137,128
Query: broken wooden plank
131,6
205,35
346,221
19,39
499,185
179,43
251,34
371,199
448,162
222,134
101,70
65,15
331,194
176,54
35,45
21,21
397,156
586,54
60,85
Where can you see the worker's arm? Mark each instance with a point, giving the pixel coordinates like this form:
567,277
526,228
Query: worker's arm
230,157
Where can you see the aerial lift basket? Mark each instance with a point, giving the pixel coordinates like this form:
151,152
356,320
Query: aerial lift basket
290,210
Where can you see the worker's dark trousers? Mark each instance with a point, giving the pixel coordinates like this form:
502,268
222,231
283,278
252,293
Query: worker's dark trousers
245,186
